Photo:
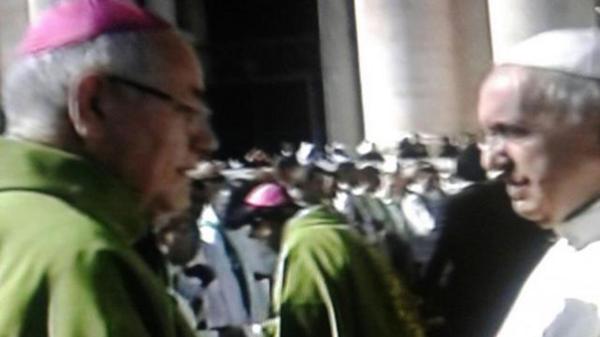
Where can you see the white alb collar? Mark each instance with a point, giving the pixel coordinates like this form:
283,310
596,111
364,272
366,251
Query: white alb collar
582,229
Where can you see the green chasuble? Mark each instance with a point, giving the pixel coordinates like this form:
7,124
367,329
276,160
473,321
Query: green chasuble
331,283
66,265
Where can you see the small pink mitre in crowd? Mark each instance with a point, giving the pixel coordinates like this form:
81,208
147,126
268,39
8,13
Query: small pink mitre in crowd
267,195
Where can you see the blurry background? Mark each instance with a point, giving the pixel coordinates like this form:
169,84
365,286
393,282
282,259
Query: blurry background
340,70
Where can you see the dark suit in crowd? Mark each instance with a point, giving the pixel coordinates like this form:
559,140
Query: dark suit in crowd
484,254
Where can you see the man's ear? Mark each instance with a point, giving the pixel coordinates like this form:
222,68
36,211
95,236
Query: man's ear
84,106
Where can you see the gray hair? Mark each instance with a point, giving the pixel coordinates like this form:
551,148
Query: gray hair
35,91
571,98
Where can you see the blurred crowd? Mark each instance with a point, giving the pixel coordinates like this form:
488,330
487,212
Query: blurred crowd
397,201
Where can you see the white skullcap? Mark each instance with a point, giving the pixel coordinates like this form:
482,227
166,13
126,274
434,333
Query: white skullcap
573,51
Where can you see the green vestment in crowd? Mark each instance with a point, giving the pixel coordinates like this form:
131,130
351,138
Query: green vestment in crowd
67,268
331,283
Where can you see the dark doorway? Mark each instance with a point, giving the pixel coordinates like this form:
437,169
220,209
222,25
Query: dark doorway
263,73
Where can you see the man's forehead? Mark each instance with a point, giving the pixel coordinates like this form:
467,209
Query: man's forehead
502,86
181,66
174,54
510,106
506,77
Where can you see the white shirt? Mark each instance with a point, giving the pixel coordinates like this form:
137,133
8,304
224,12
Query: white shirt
561,297
223,301
419,219
223,304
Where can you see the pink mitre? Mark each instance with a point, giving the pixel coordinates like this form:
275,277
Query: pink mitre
75,21
267,195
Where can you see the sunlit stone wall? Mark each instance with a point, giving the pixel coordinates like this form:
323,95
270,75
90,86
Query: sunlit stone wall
14,16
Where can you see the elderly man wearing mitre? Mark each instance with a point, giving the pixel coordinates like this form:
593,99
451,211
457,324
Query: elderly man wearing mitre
104,116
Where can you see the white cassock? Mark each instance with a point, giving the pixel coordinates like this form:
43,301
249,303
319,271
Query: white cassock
561,297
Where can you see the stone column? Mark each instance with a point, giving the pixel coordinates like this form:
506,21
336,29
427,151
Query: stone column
420,64
339,66
14,16
514,20
38,6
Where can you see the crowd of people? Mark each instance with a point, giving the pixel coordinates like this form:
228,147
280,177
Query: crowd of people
114,221
459,265
242,213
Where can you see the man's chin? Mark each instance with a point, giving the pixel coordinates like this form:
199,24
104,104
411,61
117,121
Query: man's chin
172,204
180,204
531,213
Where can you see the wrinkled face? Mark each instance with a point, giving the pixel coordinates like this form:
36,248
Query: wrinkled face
152,140
551,166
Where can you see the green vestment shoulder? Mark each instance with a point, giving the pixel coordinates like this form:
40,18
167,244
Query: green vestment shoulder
67,268
331,283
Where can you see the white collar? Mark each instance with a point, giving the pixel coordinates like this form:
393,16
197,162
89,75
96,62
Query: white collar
582,229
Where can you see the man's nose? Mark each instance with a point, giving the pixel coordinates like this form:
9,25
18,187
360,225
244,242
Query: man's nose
494,157
203,139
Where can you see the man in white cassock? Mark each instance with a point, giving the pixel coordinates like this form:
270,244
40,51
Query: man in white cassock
540,110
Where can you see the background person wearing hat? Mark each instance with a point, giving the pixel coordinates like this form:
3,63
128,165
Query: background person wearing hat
268,207
540,110
104,116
